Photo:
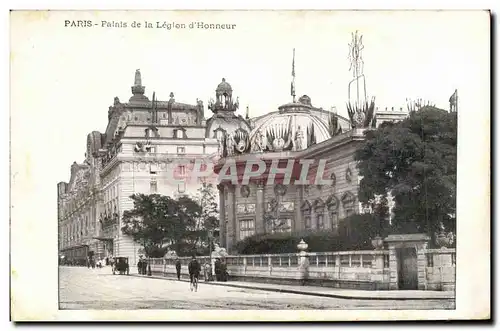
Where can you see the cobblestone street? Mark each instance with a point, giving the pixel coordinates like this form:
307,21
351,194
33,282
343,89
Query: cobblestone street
82,288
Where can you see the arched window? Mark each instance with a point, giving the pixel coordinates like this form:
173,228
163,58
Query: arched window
333,210
348,200
319,209
306,214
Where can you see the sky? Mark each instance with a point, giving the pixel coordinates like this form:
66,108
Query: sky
63,79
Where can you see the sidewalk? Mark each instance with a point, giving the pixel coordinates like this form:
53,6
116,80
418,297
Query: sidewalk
326,291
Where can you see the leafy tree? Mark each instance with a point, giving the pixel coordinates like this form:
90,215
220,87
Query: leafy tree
157,222
414,160
209,206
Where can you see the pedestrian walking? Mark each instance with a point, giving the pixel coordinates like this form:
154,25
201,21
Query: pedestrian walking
178,268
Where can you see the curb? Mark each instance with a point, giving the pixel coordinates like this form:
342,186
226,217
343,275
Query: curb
326,295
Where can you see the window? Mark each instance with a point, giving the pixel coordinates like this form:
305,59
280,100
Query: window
181,150
181,187
179,134
321,222
153,187
182,170
306,214
335,221
153,168
307,221
151,149
247,228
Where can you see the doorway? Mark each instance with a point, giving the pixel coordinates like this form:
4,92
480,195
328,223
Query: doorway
407,268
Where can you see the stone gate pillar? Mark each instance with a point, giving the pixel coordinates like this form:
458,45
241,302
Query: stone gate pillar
396,242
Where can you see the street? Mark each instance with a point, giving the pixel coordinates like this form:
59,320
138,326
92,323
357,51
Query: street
82,288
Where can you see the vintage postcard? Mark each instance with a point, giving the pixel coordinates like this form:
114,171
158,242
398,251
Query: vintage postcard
250,165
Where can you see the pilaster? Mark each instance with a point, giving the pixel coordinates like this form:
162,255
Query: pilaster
231,218
222,216
299,198
260,209
393,268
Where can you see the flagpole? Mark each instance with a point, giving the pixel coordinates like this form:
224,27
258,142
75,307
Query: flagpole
293,75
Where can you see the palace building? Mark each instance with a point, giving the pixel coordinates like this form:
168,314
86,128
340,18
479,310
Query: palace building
146,141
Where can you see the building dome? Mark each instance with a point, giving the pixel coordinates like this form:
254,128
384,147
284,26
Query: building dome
293,127
224,87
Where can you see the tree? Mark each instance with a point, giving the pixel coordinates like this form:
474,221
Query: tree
209,206
414,160
157,222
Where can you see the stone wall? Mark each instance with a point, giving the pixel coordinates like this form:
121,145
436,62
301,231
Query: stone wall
440,269
365,270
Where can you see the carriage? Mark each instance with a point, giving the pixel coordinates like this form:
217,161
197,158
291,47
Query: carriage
121,266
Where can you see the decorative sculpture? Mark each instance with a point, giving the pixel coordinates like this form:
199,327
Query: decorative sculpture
230,144
241,141
299,140
279,138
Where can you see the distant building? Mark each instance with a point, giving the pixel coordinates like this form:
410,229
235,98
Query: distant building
391,115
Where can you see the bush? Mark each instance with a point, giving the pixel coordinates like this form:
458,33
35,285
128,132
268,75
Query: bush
355,233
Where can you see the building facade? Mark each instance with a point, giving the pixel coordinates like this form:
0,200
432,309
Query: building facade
315,195
146,141
148,147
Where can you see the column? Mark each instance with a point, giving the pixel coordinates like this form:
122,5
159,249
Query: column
222,216
393,268
299,220
231,218
260,208
421,266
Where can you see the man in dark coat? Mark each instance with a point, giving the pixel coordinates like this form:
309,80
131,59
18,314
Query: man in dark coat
218,270
178,268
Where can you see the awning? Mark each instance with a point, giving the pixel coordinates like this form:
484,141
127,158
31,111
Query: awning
73,247
103,238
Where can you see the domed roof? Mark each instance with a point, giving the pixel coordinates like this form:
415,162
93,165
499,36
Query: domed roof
227,123
294,122
224,86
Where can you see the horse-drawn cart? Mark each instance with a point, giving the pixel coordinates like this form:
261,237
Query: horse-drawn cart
121,266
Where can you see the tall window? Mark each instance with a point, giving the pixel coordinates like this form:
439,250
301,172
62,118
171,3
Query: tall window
321,222
333,207
348,200
307,221
247,228
319,209
182,170
181,187
335,221
153,187
306,214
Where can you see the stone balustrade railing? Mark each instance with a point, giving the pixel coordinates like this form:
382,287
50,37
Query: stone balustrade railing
357,269
407,263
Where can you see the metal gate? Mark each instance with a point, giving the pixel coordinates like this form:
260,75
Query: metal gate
407,269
